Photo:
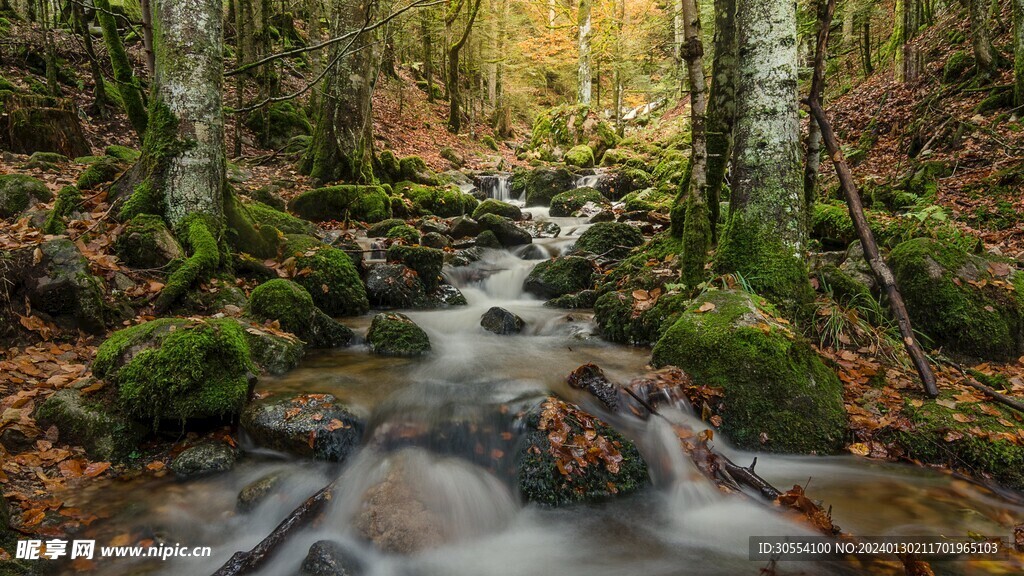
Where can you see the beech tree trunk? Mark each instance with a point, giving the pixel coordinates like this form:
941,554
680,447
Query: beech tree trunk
1018,53
767,229
981,39
342,145
812,161
453,88
584,80
696,227
722,105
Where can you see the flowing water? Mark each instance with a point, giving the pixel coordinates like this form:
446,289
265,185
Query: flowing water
679,525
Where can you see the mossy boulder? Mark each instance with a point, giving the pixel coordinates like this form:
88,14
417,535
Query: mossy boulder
328,274
45,161
100,173
505,230
624,318
550,469
344,202
831,225
292,306
617,156
147,243
272,350
491,206
568,203
970,305
543,184
426,262
445,201
59,284
610,239
266,215
648,199
394,334
580,156
122,153
487,239
278,123
394,286
18,192
315,426
560,276
436,240
636,270
178,369
403,232
414,169
778,395
91,423
381,229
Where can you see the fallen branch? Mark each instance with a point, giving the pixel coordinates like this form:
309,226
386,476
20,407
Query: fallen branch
248,562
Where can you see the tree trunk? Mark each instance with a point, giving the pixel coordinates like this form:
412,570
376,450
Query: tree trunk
907,57
584,81
127,84
428,54
342,146
147,34
812,161
767,229
696,229
722,105
454,94
99,91
866,47
1018,53
981,38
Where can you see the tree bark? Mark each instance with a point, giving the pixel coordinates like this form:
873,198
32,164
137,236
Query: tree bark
767,230
454,93
722,105
908,58
147,34
99,91
342,145
696,227
127,84
981,39
1018,53
812,160
583,72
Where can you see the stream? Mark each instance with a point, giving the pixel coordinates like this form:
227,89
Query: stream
680,524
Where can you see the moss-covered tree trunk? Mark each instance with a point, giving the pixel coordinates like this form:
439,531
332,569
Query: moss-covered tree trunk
1018,53
342,145
767,228
583,22
696,227
127,85
722,104
981,39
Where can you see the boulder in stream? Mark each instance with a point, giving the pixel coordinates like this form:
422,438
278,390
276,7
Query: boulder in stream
560,276
613,240
394,286
464,227
292,306
501,321
507,232
329,558
205,458
568,203
542,184
492,206
394,334
310,425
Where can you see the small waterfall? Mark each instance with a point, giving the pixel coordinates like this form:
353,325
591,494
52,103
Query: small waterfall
497,186
588,181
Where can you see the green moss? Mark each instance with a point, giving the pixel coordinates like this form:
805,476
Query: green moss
491,206
185,368
487,239
637,271
773,381
426,262
380,229
580,156
345,202
388,166
542,184
444,201
648,199
620,320
329,275
100,428
696,243
567,203
122,153
414,169
99,173
292,306
145,199
983,319
610,239
246,234
18,192
69,201
283,221
204,260
453,158
489,141
394,334
128,86
560,276
617,156
275,125
404,232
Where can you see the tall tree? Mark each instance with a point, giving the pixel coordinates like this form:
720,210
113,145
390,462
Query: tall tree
342,145
1018,53
812,160
696,227
453,88
981,38
766,234
128,85
583,22
722,104
907,21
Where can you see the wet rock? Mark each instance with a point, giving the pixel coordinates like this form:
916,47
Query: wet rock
394,517
56,279
501,321
581,299
507,232
465,227
310,425
426,262
329,276
435,240
542,184
569,203
487,239
533,252
327,558
560,276
430,224
445,295
203,459
542,228
591,378
256,493
394,286
394,334
498,207
381,229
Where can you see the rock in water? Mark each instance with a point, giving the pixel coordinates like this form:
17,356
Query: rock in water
394,285
394,334
311,425
327,558
501,321
204,458
560,276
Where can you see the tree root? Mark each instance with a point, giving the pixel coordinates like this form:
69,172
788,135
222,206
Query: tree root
199,266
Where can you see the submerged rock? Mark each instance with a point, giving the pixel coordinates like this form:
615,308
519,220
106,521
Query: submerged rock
501,321
328,558
394,334
204,458
310,425
778,394
257,492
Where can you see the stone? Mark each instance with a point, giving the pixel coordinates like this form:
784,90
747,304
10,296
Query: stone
204,459
395,334
314,426
501,321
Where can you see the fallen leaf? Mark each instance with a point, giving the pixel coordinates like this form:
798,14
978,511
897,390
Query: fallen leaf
706,307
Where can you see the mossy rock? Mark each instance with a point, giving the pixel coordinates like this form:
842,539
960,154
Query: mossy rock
963,436
620,318
436,240
46,161
292,306
18,192
568,203
778,395
381,229
610,239
405,233
560,276
267,215
69,201
648,199
178,369
329,275
390,285
100,173
123,153
489,142
488,239
362,203
505,230
273,351
426,262
61,285
394,334
277,124
91,423
492,206
581,299
958,299
580,156
414,169
542,184
453,158
616,156
547,475
445,201
205,458
147,243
